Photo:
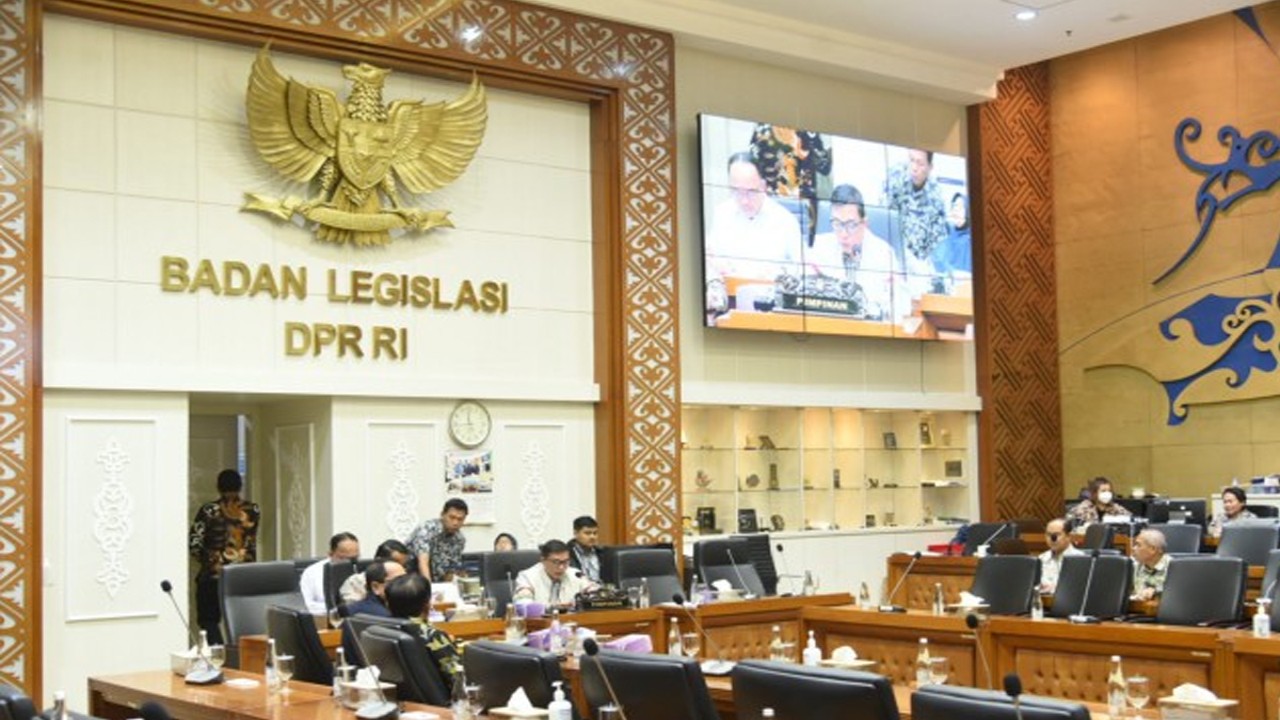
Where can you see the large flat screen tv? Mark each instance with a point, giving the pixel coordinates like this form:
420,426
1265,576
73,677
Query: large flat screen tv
808,232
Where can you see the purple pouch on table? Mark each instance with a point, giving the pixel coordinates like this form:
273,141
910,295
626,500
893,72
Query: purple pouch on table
635,643
539,639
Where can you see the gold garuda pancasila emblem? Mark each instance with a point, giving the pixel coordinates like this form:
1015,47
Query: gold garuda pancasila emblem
359,153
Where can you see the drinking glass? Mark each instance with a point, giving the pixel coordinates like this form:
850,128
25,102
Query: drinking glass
475,699
217,656
609,712
490,606
1138,691
284,669
939,669
691,643
335,617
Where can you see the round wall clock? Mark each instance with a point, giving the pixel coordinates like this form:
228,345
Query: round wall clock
469,424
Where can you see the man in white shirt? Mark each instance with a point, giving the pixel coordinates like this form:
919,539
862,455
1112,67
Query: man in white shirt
851,251
551,581
1059,541
343,547
751,235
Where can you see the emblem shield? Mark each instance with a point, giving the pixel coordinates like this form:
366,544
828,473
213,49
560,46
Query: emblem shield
365,150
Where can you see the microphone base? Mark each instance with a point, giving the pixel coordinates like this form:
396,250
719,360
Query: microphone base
378,711
1083,620
717,667
203,677
892,609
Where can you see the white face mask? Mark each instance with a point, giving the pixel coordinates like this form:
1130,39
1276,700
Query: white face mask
1104,497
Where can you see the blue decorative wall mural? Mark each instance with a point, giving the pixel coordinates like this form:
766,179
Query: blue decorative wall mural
1224,345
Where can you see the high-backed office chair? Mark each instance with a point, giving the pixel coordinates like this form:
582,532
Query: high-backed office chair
1203,589
987,533
403,659
760,555
1269,575
1264,511
1028,525
810,693
649,687
334,575
15,704
1098,536
629,564
727,559
498,571
501,668
1250,541
1109,589
295,634
946,702
1180,538
357,624
246,591
1007,583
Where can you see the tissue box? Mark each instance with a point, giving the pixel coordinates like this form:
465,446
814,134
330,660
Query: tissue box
632,643
1172,708
181,662
355,693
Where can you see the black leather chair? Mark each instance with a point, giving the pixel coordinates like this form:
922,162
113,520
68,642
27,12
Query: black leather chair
501,668
1180,539
15,704
1109,589
334,575
1264,511
498,571
629,564
796,692
945,702
1203,590
760,555
1269,575
1028,525
357,624
295,634
1098,536
649,687
987,533
1007,583
246,591
403,659
727,559
1249,540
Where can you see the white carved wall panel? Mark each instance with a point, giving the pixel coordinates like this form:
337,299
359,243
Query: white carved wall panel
111,528
402,477
539,449
294,447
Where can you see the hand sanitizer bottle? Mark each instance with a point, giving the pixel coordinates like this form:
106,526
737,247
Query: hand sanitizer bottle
812,655
1262,619
559,709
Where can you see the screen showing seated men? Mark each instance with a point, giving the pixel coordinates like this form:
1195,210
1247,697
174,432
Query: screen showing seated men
815,233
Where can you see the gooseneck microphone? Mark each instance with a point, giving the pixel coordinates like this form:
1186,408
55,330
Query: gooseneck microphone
746,591
381,709
592,649
1080,618
1013,688
202,672
890,607
786,571
719,666
973,622
995,535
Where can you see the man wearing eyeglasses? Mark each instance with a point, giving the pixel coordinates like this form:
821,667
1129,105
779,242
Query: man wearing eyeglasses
551,581
852,252
751,235
1059,541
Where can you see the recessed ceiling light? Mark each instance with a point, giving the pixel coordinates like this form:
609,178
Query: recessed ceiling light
1025,14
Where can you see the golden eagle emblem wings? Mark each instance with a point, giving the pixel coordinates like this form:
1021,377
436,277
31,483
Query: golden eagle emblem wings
358,155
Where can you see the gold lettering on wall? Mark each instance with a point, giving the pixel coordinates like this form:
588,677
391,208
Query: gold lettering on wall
234,278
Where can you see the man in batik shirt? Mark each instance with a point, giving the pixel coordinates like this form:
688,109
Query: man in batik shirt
223,532
409,597
438,543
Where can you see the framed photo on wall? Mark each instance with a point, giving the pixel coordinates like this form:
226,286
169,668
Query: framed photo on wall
926,433
891,441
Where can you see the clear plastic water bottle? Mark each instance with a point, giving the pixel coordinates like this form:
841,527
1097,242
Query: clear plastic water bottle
939,601
644,592
1037,607
922,663
1116,690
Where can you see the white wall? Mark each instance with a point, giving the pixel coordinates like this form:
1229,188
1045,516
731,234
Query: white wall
544,468
114,522
147,154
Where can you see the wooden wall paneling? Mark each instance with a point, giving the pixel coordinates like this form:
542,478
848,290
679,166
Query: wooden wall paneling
626,72
1020,436
21,613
